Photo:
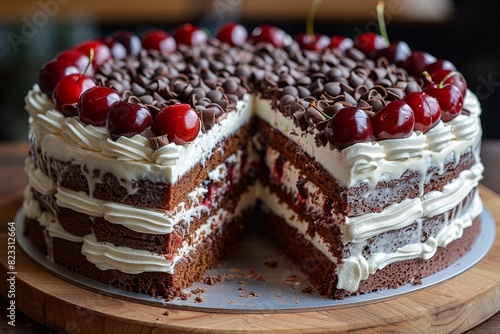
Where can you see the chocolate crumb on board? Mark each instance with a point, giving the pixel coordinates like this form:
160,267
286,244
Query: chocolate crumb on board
213,280
417,281
292,279
307,289
166,313
260,278
251,294
271,264
198,290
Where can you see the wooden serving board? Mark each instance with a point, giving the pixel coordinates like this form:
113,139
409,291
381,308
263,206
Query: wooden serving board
456,305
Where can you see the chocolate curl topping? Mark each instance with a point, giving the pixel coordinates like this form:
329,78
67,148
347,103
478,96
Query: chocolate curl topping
212,78
298,119
69,110
158,142
321,140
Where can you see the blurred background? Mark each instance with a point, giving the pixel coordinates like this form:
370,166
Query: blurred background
33,31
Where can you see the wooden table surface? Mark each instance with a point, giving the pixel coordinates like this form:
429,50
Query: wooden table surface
13,180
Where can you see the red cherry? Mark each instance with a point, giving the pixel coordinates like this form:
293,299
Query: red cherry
129,40
118,50
77,58
314,42
370,42
449,97
394,121
52,72
94,104
397,52
348,126
450,77
69,89
101,52
179,122
416,63
232,34
440,64
188,34
269,34
426,110
159,40
341,42
127,119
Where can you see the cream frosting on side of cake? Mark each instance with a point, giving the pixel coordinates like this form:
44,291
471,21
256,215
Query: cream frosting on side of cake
356,230
132,261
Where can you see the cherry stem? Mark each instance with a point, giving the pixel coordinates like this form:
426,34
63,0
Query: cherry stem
427,76
310,17
449,75
91,59
381,21
315,106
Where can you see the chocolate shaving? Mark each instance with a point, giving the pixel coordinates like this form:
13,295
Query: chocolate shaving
308,290
158,142
321,140
251,294
213,280
69,110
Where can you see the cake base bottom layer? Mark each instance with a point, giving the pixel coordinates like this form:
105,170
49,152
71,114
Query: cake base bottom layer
321,270
157,284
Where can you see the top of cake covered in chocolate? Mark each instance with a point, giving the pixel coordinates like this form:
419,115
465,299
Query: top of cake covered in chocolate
316,88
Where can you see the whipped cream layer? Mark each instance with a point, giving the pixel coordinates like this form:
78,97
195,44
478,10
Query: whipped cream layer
142,220
68,139
132,261
387,159
107,256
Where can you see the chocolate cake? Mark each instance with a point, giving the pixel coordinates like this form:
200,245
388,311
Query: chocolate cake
146,169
